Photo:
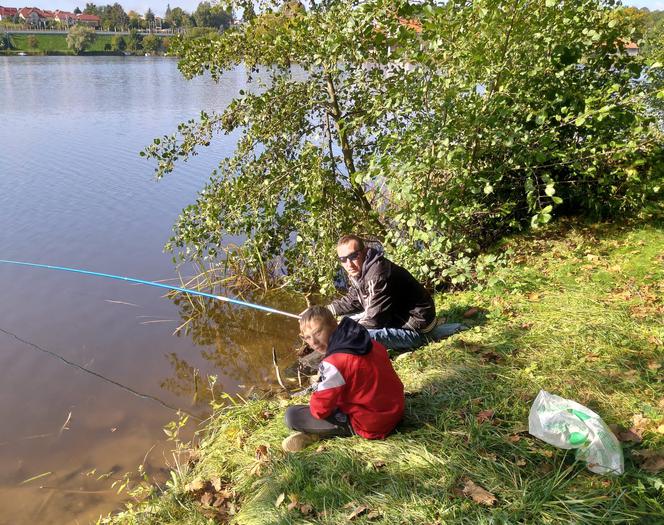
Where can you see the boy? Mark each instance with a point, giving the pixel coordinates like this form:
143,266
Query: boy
358,392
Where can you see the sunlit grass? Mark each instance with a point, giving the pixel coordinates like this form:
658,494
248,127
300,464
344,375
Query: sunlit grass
579,312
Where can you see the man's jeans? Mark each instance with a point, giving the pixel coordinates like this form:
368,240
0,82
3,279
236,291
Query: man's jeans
402,338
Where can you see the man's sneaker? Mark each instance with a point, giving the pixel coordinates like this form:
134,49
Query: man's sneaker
298,441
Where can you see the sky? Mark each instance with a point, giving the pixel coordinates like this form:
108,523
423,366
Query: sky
158,7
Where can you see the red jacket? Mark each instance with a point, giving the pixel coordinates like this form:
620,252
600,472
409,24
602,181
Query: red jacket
357,378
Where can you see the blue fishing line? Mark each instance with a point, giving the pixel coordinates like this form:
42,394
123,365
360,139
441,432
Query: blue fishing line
159,285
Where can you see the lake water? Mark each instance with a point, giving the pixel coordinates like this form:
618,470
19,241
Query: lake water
74,192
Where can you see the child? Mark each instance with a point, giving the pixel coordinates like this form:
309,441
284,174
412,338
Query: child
358,392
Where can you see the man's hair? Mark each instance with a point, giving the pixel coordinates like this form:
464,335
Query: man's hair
348,238
318,313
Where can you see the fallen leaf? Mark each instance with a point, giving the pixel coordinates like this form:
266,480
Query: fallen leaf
280,499
293,501
216,483
520,462
478,494
206,499
374,514
470,312
379,464
526,326
640,423
660,429
357,512
490,357
651,460
544,468
306,509
534,297
515,438
624,435
267,415
261,453
195,486
654,365
321,448
485,415
489,455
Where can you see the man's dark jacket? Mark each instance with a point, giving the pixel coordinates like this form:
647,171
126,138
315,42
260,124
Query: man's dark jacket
389,296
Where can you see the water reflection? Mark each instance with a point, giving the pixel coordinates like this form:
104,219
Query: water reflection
236,345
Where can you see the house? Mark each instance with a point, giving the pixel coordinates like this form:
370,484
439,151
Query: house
89,20
32,16
65,18
8,13
632,49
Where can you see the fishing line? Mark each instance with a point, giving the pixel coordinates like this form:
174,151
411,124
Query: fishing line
98,375
158,285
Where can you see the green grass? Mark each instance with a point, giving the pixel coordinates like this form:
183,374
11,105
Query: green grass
57,44
579,312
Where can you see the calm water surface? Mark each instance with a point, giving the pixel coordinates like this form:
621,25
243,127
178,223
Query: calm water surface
74,192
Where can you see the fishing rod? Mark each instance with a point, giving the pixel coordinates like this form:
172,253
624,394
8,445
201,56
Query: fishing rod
158,285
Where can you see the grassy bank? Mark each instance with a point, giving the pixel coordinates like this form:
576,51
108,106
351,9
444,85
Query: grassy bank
56,44
579,311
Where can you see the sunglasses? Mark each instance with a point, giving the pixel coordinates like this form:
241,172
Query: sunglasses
350,257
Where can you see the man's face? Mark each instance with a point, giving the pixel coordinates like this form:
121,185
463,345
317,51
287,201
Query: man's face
316,334
351,258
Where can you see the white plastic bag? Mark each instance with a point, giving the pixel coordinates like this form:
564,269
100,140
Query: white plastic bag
567,424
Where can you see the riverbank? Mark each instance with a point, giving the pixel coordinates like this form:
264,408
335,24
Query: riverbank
56,44
577,311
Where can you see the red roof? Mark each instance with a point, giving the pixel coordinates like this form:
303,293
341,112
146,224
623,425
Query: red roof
8,11
63,15
88,18
25,12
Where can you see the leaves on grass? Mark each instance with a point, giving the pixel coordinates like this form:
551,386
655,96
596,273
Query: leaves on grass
478,494
217,498
514,438
471,312
379,464
358,511
652,461
485,415
626,435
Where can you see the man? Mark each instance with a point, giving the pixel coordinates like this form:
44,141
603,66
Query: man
358,391
392,305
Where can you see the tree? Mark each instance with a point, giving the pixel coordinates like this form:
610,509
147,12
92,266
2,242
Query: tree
5,42
77,11
207,15
79,38
91,9
114,17
134,40
249,13
436,129
151,43
133,20
179,18
118,43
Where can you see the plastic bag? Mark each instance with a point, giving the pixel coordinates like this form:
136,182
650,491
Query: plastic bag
567,424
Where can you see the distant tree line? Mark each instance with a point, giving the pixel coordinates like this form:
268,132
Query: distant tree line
114,17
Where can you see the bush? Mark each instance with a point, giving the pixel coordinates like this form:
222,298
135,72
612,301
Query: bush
5,42
436,129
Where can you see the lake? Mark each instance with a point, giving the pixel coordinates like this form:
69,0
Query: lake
91,369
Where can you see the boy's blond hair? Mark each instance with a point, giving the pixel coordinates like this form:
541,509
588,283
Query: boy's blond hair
318,314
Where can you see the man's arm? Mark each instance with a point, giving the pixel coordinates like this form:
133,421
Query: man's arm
326,395
378,312
348,304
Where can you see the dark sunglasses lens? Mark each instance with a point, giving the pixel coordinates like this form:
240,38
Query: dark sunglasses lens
350,257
